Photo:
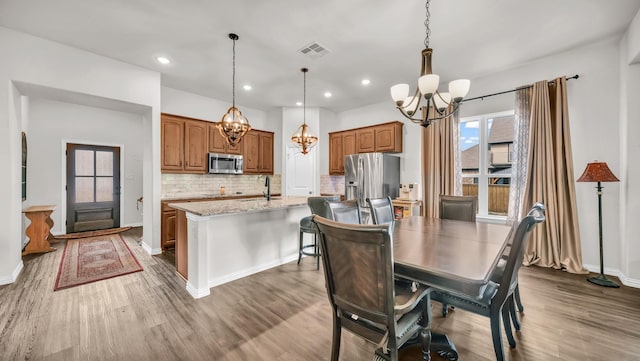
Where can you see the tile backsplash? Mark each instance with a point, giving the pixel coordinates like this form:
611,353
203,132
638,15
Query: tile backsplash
199,185
330,184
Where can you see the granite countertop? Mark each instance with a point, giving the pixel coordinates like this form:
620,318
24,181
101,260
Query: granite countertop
235,206
210,196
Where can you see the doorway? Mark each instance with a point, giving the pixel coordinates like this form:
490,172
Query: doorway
301,172
93,187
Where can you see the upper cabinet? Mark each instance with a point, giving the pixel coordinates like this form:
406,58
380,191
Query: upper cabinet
385,137
218,144
258,152
184,145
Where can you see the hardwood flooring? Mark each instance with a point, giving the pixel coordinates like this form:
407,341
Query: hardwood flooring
282,314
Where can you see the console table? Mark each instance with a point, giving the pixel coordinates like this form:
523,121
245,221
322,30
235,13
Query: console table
39,229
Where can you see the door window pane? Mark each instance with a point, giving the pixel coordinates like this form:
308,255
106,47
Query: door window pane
104,189
84,189
104,163
469,138
498,196
84,162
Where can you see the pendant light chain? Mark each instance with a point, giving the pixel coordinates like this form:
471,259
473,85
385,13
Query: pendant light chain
233,82
426,25
304,97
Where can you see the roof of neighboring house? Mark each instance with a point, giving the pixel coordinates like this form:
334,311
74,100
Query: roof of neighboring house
469,157
501,130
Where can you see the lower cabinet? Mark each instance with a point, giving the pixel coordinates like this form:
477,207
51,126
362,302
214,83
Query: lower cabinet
182,257
168,226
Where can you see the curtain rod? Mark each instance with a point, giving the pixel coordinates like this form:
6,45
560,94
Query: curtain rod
512,90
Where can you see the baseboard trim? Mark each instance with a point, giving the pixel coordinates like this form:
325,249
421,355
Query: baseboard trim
197,293
132,225
631,282
149,250
5,280
248,272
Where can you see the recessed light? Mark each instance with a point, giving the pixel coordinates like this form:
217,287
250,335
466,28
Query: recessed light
247,87
327,94
163,60
299,104
365,82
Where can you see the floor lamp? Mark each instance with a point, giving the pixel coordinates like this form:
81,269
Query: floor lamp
599,172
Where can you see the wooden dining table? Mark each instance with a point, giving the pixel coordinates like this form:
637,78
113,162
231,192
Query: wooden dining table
447,255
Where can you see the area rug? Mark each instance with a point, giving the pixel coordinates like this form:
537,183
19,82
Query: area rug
93,259
101,232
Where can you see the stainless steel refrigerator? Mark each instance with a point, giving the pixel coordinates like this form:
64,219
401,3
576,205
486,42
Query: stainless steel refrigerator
371,175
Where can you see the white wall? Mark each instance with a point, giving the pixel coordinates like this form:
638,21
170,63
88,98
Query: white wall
52,125
32,60
191,105
629,201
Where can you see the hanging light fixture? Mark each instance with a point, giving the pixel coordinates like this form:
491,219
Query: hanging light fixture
303,136
233,125
437,105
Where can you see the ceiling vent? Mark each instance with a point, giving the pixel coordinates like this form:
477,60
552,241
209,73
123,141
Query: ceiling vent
314,50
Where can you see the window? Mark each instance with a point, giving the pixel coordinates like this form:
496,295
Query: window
486,146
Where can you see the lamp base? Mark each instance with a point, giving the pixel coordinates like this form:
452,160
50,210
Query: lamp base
601,280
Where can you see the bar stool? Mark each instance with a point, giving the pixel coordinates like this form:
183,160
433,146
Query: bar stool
317,206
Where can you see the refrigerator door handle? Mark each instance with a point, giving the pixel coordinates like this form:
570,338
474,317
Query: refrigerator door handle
361,180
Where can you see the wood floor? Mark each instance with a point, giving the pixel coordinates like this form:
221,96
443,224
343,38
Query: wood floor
282,314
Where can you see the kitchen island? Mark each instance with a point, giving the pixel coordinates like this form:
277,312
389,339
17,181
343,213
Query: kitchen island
230,239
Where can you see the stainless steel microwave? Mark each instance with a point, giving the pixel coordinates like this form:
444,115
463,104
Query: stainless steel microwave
225,163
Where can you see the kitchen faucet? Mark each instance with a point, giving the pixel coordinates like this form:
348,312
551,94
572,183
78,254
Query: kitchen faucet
267,183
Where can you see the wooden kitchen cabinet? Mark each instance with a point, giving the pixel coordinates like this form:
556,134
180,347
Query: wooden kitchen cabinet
218,143
258,152
388,137
184,144
340,145
168,227
365,140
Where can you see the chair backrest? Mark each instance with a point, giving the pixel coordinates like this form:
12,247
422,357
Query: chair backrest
345,211
320,207
461,208
381,210
518,243
358,267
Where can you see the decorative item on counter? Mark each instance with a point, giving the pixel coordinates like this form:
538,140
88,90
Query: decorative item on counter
222,190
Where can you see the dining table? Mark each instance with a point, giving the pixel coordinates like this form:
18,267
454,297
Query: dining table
447,255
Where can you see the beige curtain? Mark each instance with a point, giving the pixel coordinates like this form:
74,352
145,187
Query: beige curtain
439,142
550,179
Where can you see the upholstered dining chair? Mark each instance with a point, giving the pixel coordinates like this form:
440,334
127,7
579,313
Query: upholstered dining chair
318,206
461,208
495,300
358,266
381,210
345,211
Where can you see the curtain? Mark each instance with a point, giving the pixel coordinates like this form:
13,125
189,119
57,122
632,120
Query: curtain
556,242
520,153
440,163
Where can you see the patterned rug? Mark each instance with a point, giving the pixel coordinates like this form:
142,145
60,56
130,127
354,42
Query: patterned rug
93,259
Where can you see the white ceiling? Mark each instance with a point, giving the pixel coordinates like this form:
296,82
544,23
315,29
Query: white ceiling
377,39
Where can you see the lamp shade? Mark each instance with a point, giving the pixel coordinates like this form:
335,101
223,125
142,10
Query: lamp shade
597,172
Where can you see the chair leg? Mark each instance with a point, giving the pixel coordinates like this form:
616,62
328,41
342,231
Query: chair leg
514,315
335,344
516,294
317,250
445,310
506,321
496,335
300,246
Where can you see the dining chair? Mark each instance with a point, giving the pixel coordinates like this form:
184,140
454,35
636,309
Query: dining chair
461,208
359,276
317,206
496,298
381,210
345,211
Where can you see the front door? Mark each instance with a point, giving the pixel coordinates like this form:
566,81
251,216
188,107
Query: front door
93,187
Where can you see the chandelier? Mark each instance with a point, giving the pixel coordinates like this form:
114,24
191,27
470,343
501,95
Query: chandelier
437,105
233,125
303,136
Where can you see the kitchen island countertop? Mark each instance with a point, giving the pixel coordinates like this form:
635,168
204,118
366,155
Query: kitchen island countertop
234,206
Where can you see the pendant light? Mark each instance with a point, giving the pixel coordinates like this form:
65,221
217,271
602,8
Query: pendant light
303,136
437,105
233,125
